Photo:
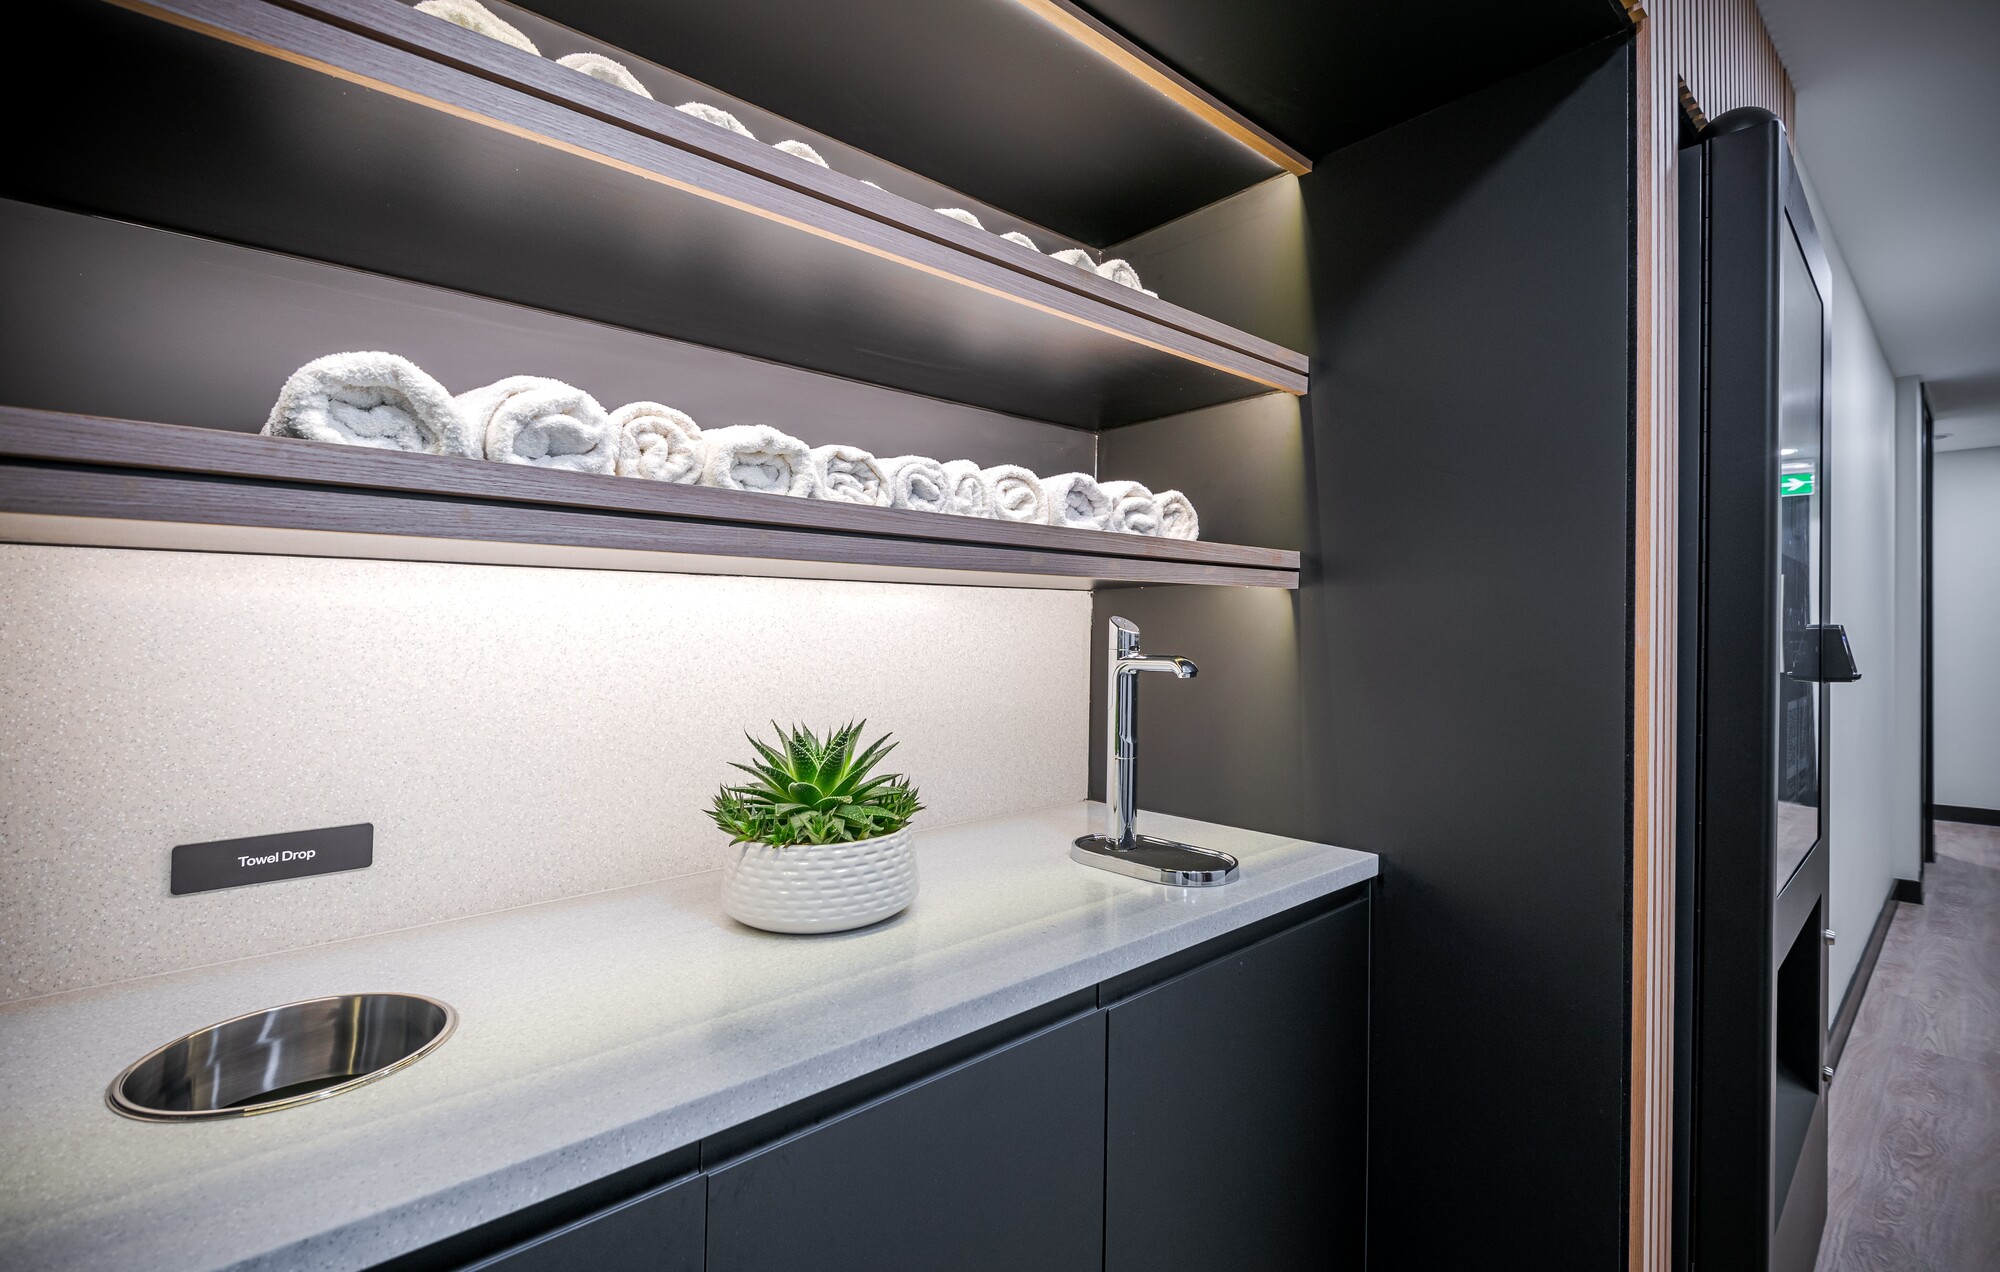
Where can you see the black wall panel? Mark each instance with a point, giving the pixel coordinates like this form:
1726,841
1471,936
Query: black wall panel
1467,650
1463,642
1324,73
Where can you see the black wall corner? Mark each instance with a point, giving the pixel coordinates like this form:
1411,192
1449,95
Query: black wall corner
1450,687
1466,645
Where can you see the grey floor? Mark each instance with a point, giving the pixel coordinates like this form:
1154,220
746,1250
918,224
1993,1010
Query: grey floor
1915,1115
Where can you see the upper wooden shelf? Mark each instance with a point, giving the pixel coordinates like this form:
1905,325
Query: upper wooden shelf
83,479
1036,106
427,152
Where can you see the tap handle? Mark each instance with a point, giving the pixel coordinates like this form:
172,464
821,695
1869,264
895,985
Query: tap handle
1124,636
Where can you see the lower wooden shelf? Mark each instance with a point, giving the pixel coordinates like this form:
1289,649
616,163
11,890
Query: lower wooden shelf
124,483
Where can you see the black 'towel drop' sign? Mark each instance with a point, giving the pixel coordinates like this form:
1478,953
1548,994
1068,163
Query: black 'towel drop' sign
230,863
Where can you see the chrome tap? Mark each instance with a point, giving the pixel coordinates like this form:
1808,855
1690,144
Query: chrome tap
1122,666
1124,849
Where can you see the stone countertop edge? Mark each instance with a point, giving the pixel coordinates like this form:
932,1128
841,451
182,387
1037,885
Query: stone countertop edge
1071,926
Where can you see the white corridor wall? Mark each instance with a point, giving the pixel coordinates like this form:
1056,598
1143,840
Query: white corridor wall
1871,791
1965,627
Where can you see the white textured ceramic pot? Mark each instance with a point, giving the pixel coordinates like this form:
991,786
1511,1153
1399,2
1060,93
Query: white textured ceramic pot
820,888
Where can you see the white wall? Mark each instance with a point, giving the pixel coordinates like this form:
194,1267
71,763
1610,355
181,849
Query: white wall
1965,627
516,734
1871,799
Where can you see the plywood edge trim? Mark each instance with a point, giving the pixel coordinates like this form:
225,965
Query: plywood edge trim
1654,666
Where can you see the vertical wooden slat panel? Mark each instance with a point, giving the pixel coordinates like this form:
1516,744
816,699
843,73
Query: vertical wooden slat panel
1699,58
1721,50
1650,1163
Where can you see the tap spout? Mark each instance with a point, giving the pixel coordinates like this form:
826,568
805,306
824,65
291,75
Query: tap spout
1183,668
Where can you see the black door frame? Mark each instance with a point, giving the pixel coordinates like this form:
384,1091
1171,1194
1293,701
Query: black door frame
1751,1015
1927,430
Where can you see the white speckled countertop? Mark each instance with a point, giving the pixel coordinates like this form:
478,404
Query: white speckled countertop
593,1034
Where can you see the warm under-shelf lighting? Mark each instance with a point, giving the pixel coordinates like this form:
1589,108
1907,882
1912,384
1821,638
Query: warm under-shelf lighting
1164,80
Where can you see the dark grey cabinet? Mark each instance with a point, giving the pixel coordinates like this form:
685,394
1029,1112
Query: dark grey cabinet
658,1231
1205,1111
1237,1108
995,1164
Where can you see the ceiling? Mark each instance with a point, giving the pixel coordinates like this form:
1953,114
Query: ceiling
1899,129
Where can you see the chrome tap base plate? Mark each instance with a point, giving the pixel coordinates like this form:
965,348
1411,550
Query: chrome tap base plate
1156,860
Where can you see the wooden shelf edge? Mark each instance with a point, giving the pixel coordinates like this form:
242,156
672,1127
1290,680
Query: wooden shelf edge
811,199
80,468
60,438
1131,59
228,514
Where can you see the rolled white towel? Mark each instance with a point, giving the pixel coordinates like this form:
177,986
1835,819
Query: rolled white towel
848,474
1015,236
1077,501
917,483
970,495
721,118
757,458
371,399
960,214
1177,516
600,67
1133,508
526,419
1120,272
474,16
1076,256
657,442
800,150
1017,494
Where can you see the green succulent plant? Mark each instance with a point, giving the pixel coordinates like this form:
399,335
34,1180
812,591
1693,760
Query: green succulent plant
812,790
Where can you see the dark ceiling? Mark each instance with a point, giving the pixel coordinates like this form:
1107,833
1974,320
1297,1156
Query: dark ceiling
1322,74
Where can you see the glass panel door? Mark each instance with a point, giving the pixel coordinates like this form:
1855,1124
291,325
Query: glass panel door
1800,526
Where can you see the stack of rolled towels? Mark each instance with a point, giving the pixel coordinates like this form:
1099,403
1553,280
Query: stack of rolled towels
474,16
384,400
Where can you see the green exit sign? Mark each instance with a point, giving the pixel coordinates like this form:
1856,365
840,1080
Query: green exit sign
1795,484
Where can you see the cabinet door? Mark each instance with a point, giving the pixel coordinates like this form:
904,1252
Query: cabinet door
996,1164
1237,1109
660,1231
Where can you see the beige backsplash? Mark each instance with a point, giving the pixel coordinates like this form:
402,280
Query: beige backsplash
515,734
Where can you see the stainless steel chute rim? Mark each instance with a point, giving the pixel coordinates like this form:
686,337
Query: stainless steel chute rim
282,1057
